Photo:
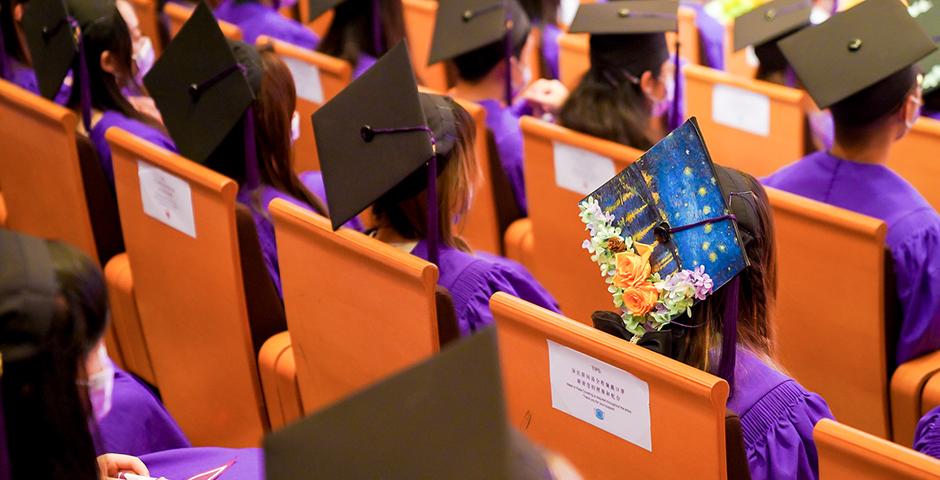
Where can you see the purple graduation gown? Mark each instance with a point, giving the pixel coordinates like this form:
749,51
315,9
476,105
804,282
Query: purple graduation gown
503,122
255,19
777,419
137,423
913,233
364,63
550,34
265,194
473,278
25,78
185,463
116,119
711,36
927,435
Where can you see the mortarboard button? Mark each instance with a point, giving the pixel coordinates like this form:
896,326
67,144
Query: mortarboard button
855,45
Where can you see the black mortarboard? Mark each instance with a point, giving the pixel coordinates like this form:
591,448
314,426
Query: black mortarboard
28,295
319,7
444,418
928,16
203,84
52,44
626,17
770,22
856,49
463,26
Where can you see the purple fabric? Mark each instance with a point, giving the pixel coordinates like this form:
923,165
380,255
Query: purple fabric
364,63
550,49
930,114
822,128
711,36
473,278
115,119
265,194
927,435
255,19
25,77
137,423
507,134
187,462
777,419
913,233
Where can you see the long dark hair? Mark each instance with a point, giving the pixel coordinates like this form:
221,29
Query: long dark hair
405,211
47,413
108,34
608,104
350,33
11,39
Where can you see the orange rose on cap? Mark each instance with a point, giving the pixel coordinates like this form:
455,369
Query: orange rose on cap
633,269
640,300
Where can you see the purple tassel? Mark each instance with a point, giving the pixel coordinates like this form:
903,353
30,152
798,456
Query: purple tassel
433,229
729,334
84,87
835,7
378,42
4,61
508,56
252,177
675,119
790,77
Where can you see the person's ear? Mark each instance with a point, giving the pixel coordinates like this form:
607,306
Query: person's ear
109,63
18,12
648,83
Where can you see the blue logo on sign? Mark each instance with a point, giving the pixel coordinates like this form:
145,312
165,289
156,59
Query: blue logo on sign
599,413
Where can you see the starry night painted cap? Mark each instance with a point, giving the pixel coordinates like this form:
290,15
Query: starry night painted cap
927,15
377,132
448,421
203,84
462,26
770,22
857,49
51,42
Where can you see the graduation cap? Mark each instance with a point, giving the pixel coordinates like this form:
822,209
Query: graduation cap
770,22
928,16
203,84
629,37
376,134
54,39
856,49
28,295
669,206
465,26
448,421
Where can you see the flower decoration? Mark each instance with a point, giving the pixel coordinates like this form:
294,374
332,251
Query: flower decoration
647,302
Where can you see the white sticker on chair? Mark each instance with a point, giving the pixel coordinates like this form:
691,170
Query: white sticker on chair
306,80
579,170
600,394
741,109
166,198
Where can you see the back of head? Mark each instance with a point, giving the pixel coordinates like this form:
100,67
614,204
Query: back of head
53,310
476,64
869,108
351,31
11,39
772,62
404,207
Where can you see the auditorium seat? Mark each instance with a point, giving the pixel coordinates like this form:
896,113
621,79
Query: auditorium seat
850,454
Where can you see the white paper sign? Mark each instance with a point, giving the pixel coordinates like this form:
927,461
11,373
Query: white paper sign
741,109
306,79
579,170
166,198
600,394
567,10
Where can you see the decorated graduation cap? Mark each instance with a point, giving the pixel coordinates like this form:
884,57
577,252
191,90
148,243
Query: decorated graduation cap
479,32
665,236
861,53
770,22
53,35
629,37
376,135
927,15
448,421
204,85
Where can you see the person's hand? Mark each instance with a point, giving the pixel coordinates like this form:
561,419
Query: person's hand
545,96
112,464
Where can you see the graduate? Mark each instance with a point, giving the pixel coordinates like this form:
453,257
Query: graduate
761,28
380,143
54,310
240,122
871,85
627,94
105,58
261,17
15,61
487,55
715,255
361,30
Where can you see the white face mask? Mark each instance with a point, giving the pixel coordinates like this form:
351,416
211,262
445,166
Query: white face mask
661,106
144,57
101,385
909,122
294,127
